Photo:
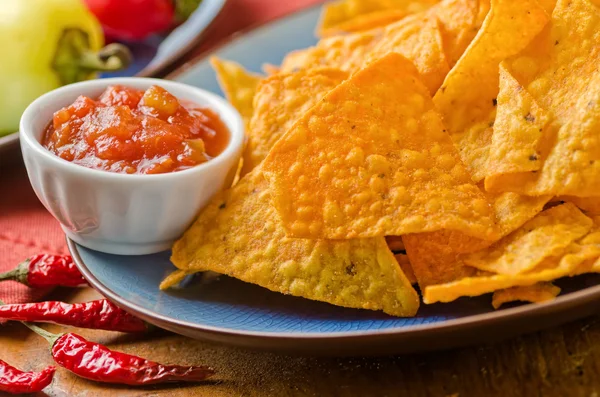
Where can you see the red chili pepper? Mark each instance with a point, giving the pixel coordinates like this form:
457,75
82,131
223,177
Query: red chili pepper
15,381
94,361
42,271
98,314
132,19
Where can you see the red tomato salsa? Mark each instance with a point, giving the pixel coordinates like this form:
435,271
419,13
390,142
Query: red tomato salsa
131,131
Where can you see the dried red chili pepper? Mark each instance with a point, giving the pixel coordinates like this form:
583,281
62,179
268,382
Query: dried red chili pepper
98,314
15,381
41,271
96,362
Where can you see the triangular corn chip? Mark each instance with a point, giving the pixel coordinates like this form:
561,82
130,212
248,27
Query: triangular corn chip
345,52
561,73
540,292
338,16
467,98
460,25
238,85
544,236
240,235
435,256
577,260
372,159
589,205
419,39
406,267
519,129
368,21
279,102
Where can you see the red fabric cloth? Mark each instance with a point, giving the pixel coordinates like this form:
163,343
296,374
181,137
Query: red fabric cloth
26,228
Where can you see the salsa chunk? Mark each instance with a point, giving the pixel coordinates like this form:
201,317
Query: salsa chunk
131,131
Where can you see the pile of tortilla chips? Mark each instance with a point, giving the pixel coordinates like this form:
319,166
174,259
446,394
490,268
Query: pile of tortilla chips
451,144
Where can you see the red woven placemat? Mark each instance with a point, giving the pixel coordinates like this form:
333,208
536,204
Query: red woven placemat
26,228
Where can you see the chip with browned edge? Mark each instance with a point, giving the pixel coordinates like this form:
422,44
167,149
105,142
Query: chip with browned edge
435,256
540,292
279,102
240,235
373,159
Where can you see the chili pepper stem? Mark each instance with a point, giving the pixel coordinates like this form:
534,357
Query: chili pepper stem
49,336
18,274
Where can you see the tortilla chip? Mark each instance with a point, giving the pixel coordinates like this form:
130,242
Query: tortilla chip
435,256
346,52
460,25
269,69
372,159
467,97
238,85
518,129
419,39
564,81
239,234
279,102
338,16
546,235
540,292
368,21
589,205
550,269
406,267
395,243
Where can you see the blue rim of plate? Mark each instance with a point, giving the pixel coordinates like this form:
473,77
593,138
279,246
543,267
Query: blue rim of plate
563,304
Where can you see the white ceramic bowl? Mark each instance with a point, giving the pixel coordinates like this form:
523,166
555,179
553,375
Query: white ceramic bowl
120,213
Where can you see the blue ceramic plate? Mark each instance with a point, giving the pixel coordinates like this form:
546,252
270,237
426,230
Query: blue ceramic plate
158,51
231,311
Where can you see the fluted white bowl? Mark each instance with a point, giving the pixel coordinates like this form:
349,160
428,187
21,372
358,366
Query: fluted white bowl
125,214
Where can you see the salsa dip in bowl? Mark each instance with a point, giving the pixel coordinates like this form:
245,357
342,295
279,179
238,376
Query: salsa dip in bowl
125,164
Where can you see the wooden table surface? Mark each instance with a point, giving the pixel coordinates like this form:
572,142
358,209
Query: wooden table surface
564,361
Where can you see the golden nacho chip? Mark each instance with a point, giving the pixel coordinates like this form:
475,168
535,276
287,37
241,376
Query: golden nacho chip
435,256
578,259
338,16
395,243
345,52
372,159
467,98
406,267
239,234
589,205
540,292
368,21
237,84
460,25
561,73
546,235
279,102
269,69
419,39
519,129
